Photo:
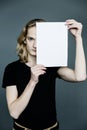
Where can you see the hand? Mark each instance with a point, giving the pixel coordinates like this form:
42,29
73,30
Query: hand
74,27
36,71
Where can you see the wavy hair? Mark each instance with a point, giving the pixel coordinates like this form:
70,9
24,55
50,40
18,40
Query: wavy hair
21,45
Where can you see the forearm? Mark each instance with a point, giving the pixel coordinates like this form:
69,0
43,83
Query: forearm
80,62
18,106
79,72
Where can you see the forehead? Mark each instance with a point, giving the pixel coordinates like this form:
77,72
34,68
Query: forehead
31,31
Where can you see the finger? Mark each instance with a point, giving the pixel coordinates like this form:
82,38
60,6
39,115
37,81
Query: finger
70,20
38,67
37,72
75,25
41,72
72,26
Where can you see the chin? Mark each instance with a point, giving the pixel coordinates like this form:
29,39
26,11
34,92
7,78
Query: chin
34,54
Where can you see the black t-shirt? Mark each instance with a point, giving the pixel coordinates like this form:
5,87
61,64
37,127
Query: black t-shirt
40,111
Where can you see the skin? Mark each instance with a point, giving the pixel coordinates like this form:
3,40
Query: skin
66,73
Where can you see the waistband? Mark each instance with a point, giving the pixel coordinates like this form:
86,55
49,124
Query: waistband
20,127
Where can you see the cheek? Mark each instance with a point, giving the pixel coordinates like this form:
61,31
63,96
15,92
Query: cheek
29,47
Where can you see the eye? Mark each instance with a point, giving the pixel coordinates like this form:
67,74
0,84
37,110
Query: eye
30,38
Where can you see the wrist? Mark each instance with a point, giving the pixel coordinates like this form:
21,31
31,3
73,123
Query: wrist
78,39
33,82
78,36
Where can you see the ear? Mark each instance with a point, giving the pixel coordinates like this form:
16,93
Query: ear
25,41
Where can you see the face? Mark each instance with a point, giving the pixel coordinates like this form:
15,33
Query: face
31,41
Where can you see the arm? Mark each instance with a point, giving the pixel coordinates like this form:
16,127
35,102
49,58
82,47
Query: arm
79,73
16,105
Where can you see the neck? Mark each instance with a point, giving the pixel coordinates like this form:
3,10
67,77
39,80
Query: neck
31,61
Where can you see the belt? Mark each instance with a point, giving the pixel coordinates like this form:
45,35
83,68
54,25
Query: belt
20,127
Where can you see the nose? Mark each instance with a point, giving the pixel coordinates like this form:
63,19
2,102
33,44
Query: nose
35,43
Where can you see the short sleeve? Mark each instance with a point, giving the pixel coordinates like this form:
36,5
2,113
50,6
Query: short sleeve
57,75
53,71
9,77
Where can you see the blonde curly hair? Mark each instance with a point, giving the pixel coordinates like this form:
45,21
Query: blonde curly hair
21,46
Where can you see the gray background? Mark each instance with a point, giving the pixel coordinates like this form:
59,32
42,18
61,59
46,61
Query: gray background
71,97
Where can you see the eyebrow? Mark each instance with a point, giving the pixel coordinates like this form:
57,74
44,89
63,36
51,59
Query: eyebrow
30,37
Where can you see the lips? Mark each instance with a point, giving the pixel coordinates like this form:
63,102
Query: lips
34,50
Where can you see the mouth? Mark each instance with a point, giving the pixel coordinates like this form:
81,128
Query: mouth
34,50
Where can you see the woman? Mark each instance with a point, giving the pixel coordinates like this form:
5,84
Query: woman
30,88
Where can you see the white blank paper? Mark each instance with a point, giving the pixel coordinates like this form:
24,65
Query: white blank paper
52,44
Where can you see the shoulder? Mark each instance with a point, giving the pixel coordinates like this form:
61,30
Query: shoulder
12,65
